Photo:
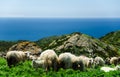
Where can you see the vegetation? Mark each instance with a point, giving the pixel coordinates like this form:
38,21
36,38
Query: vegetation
5,45
44,42
25,70
80,44
112,38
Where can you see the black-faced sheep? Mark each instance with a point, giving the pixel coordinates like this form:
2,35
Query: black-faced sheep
49,59
108,69
68,60
98,61
14,57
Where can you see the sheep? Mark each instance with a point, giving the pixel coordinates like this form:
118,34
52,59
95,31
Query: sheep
108,69
114,60
107,61
14,57
88,62
68,60
28,53
30,56
98,61
50,59
38,63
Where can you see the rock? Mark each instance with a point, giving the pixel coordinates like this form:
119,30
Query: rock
26,46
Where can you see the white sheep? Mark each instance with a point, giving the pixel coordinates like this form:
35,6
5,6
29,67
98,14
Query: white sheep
98,61
68,60
14,57
88,62
114,60
108,69
50,59
38,63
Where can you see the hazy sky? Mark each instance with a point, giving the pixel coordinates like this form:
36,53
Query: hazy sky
60,8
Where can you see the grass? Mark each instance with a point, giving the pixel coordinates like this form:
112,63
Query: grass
25,70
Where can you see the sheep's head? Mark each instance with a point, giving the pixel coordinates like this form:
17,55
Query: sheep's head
27,53
38,63
91,60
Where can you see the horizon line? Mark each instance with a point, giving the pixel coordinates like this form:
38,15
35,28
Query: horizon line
57,17
67,17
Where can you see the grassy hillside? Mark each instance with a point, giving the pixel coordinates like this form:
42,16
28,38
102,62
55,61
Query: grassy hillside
78,43
44,42
5,45
25,70
112,38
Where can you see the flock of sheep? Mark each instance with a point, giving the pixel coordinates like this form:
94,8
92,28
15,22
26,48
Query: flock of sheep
49,59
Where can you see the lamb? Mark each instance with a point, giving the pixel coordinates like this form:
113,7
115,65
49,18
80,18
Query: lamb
98,61
88,62
108,69
49,59
14,57
68,60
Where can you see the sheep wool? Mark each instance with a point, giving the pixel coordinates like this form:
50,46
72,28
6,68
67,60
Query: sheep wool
14,57
50,59
68,60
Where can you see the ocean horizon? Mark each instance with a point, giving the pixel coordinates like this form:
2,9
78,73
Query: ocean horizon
36,28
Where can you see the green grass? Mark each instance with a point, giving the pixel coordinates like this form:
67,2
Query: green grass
25,70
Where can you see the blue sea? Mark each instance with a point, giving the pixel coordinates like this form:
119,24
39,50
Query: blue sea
37,28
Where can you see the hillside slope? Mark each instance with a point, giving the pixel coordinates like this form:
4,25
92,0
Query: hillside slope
112,38
81,44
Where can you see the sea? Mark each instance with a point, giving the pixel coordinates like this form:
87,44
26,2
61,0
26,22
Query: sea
36,28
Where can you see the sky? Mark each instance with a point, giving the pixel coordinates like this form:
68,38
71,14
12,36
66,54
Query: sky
17,18
60,8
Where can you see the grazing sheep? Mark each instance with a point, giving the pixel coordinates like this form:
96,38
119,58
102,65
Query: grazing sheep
108,69
14,57
38,63
50,59
88,62
114,60
30,56
107,61
68,60
98,61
